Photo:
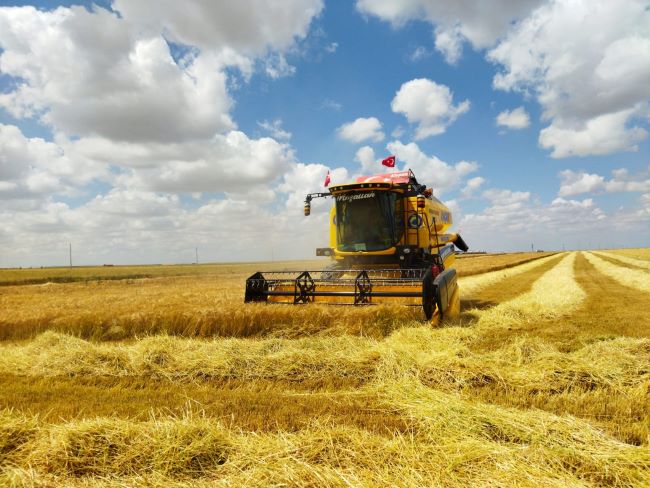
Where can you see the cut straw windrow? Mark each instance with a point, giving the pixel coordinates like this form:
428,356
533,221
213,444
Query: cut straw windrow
625,259
554,294
472,284
451,442
625,276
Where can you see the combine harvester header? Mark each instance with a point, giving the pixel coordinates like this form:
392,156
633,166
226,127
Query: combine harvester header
388,244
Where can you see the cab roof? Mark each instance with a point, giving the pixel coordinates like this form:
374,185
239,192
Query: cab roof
402,180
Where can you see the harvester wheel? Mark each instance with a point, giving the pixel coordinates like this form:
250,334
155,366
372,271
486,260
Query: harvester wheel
454,305
428,295
331,272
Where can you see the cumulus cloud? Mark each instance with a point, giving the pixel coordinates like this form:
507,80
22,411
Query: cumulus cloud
429,105
518,221
431,170
479,23
361,129
247,26
588,64
229,163
514,119
575,183
303,178
87,73
138,99
600,135
33,167
365,156
472,186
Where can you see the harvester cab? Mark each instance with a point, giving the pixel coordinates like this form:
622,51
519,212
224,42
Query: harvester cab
388,243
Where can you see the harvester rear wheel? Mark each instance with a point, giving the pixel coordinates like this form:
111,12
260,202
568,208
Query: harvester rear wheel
453,309
428,295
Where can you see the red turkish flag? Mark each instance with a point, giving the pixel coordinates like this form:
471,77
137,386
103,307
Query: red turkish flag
389,161
327,179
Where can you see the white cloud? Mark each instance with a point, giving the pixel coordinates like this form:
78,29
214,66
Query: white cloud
277,66
600,135
332,47
302,179
247,26
515,221
229,163
96,73
429,105
275,129
472,186
575,183
514,119
89,74
506,198
480,23
419,53
33,167
365,156
362,129
431,170
588,63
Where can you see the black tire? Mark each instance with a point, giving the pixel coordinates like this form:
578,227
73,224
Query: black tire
331,271
429,301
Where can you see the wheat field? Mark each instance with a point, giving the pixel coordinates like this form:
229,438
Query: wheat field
170,380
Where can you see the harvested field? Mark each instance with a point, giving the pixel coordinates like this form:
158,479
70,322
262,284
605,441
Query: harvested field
625,260
542,381
641,254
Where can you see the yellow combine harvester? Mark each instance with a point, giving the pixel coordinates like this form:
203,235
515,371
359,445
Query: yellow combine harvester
388,244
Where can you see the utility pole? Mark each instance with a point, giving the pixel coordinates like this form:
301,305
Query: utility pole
197,255
532,247
70,254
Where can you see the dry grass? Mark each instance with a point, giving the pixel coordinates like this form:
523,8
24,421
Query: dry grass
473,284
543,385
643,254
474,264
634,278
447,441
620,258
202,305
26,276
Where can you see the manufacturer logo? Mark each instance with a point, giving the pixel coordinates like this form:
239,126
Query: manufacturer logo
348,197
415,221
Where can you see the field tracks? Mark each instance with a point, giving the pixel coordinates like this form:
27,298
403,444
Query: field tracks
639,263
634,278
554,294
472,284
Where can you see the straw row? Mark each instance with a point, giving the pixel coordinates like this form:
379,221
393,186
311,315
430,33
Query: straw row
625,276
473,284
625,259
452,442
441,358
555,294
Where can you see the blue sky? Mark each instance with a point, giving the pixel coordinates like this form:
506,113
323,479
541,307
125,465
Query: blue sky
140,131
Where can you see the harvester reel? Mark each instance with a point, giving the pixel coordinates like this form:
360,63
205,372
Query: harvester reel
362,289
304,288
